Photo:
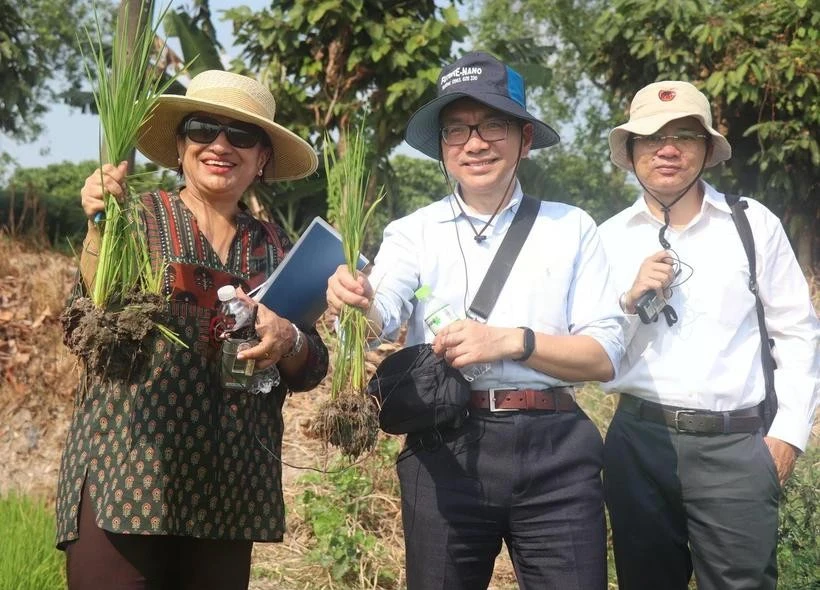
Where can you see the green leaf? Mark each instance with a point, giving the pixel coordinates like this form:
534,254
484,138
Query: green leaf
318,12
198,49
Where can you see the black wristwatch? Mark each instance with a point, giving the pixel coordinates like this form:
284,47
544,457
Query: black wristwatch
529,344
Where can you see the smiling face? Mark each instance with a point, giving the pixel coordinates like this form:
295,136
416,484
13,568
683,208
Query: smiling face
218,170
667,166
483,169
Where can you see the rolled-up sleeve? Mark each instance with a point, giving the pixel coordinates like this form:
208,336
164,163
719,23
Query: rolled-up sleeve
592,305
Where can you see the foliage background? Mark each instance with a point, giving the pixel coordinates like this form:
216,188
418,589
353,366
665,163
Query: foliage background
331,62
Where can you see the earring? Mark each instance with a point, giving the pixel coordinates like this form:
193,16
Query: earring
179,160
261,172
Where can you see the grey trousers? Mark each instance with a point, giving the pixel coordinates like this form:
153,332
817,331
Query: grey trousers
529,478
682,502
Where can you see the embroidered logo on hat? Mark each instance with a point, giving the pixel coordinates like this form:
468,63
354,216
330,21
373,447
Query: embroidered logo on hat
666,95
459,75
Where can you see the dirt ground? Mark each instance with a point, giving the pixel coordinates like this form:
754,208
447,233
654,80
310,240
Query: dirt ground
37,380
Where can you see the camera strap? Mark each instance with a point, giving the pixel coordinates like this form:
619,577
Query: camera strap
738,208
504,259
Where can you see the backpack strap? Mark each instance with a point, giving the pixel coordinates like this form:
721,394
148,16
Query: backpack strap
738,208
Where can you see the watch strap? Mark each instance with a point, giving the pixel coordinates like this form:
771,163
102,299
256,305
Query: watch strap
529,344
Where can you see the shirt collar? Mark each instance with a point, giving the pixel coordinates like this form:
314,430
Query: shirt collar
714,198
446,209
711,198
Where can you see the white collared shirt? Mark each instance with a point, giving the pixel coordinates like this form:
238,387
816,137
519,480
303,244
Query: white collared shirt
559,284
710,359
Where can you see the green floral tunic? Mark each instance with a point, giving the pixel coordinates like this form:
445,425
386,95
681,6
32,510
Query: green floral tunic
170,452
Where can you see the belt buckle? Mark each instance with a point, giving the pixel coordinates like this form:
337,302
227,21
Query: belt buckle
491,393
677,420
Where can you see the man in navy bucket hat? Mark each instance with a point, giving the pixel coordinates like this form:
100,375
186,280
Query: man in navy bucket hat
483,78
524,467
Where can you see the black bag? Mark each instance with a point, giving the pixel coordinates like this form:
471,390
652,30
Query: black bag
417,391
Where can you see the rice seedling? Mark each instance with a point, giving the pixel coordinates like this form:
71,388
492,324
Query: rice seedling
349,420
125,92
127,284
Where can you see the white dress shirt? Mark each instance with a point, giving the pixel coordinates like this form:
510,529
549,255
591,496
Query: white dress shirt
710,359
559,284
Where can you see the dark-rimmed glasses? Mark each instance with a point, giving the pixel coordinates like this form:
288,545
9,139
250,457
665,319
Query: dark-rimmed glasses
489,131
680,140
205,130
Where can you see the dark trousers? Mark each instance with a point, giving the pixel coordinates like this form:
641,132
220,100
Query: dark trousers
101,560
529,478
682,502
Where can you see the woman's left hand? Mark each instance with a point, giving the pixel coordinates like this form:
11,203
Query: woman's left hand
276,336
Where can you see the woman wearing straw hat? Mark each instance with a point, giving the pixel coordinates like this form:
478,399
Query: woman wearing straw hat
168,478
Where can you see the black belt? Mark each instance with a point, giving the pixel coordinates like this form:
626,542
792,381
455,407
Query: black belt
693,421
500,399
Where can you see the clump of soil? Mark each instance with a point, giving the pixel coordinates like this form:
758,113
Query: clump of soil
109,341
350,422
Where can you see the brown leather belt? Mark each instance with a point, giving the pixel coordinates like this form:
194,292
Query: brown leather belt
558,399
693,421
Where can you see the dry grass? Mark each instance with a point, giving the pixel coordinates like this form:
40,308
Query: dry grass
37,375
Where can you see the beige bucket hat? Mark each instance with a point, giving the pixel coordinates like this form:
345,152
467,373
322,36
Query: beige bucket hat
656,105
230,95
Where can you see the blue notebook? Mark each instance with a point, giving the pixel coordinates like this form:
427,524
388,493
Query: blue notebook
297,288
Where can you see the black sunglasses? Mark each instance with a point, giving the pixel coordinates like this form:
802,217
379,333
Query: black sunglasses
205,130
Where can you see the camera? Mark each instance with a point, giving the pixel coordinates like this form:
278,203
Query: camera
649,305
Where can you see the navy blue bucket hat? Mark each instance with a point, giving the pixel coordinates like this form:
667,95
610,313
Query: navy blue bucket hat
483,78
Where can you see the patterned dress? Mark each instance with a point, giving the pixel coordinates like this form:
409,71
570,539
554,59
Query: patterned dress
170,452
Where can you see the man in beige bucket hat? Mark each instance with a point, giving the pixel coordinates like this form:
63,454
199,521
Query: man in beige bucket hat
693,461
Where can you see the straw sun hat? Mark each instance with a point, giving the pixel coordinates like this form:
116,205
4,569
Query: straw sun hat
656,105
230,95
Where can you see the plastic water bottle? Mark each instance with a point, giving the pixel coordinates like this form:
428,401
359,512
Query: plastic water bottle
437,315
236,329
237,315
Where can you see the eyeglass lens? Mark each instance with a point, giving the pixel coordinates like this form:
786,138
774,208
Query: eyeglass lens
658,141
204,130
492,130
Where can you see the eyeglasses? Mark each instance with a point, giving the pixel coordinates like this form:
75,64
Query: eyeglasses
680,141
205,130
490,131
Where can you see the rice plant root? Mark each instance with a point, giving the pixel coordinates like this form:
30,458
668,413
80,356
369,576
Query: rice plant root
109,341
349,422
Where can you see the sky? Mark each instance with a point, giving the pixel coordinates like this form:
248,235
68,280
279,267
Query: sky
69,135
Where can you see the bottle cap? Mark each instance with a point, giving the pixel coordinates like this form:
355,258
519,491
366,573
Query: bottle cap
226,292
423,292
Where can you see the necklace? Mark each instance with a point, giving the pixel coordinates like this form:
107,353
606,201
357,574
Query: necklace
479,236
